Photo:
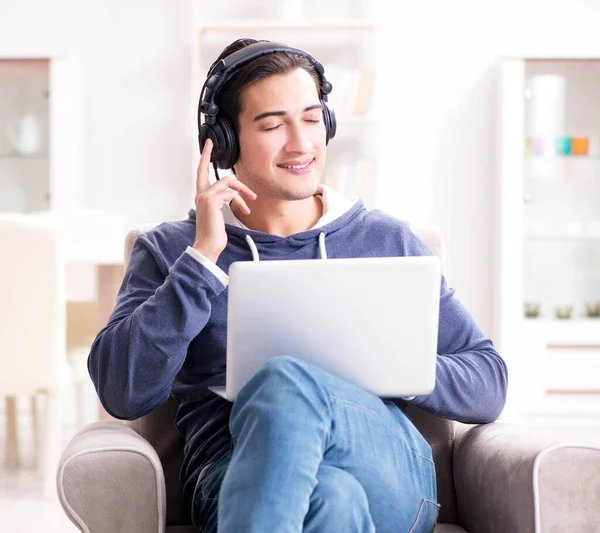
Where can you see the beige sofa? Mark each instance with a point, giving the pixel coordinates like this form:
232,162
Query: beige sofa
118,477
495,478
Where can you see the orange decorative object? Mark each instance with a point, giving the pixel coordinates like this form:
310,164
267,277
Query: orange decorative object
580,145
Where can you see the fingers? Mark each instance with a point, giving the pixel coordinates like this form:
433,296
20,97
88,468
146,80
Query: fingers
241,203
232,197
231,183
223,191
202,175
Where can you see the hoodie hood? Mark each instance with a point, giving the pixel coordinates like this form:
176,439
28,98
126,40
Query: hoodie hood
334,206
338,212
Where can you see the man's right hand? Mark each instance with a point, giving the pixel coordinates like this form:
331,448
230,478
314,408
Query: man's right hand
211,237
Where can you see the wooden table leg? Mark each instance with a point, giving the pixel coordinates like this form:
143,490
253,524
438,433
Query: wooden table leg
12,442
109,278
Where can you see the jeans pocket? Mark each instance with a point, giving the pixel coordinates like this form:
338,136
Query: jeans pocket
426,517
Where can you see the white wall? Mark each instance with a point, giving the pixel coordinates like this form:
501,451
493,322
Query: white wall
438,157
135,59
440,154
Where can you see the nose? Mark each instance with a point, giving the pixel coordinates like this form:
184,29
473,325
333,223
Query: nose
298,139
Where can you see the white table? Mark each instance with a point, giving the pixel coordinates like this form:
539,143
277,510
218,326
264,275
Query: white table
89,237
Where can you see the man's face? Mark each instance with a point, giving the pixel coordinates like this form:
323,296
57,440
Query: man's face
282,137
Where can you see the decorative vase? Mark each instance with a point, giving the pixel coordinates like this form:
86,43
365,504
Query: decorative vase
25,135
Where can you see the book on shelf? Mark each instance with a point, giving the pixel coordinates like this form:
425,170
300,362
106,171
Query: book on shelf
362,102
352,93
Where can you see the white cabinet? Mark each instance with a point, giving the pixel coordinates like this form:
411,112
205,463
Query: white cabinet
40,134
548,261
41,143
342,36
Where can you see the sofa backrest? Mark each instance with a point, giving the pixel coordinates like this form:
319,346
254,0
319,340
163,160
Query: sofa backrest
158,427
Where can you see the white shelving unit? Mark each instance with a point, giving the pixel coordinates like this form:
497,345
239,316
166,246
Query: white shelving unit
46,90
345,45
278,24
548,235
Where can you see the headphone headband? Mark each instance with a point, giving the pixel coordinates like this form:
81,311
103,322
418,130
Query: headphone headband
222,71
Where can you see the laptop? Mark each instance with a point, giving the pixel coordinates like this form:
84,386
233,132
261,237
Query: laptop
370,321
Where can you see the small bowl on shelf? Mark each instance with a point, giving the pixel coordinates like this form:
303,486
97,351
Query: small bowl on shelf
563,312
531,309
592,309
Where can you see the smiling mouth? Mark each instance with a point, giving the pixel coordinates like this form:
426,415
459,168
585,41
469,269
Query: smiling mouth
298,167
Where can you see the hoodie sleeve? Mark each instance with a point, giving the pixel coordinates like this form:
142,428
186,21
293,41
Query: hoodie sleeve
471,377
136,356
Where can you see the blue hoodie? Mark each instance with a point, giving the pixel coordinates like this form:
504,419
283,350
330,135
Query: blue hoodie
167,333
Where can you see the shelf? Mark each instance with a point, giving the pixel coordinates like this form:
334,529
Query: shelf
562,238
301,24
23,66
571,332
556,157
21,156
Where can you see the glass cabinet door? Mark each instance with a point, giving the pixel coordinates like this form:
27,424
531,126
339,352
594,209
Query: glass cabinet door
561,278
24,138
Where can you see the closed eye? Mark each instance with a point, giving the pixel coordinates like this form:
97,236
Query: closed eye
311,121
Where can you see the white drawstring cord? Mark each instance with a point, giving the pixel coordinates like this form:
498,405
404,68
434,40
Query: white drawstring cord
254,250
322,245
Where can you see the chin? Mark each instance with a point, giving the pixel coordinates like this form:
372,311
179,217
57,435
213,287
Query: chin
294,193
293,188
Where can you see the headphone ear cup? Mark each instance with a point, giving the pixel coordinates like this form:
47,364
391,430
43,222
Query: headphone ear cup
225,150
212,132
203,134
330,122
232,150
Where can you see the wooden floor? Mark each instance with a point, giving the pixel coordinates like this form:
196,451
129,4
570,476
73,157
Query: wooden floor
23,506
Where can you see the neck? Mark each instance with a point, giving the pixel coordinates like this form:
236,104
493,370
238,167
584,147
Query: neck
281,217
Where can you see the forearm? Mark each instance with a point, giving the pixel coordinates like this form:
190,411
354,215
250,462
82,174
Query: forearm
136,357
470,387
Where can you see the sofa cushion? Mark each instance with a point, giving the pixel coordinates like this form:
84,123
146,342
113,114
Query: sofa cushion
445,528
439,433
158,428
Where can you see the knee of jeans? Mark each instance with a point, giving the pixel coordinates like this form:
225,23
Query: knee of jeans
284,363
282,368
272,391
339,492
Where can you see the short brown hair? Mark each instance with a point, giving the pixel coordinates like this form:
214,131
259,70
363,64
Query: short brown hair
229,97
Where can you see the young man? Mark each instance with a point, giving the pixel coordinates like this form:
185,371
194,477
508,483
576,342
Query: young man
300,449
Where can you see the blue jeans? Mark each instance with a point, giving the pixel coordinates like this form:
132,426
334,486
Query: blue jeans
313,453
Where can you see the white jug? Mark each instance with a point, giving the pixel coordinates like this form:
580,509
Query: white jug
25,135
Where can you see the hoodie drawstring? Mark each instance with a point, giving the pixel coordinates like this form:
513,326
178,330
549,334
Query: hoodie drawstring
254,250
322,245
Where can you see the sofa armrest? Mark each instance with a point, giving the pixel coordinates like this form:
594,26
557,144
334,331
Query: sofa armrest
526,480
110,480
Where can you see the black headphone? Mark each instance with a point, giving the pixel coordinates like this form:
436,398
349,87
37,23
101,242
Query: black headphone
218,128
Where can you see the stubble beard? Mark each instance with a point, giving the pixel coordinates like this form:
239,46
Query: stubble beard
276,191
